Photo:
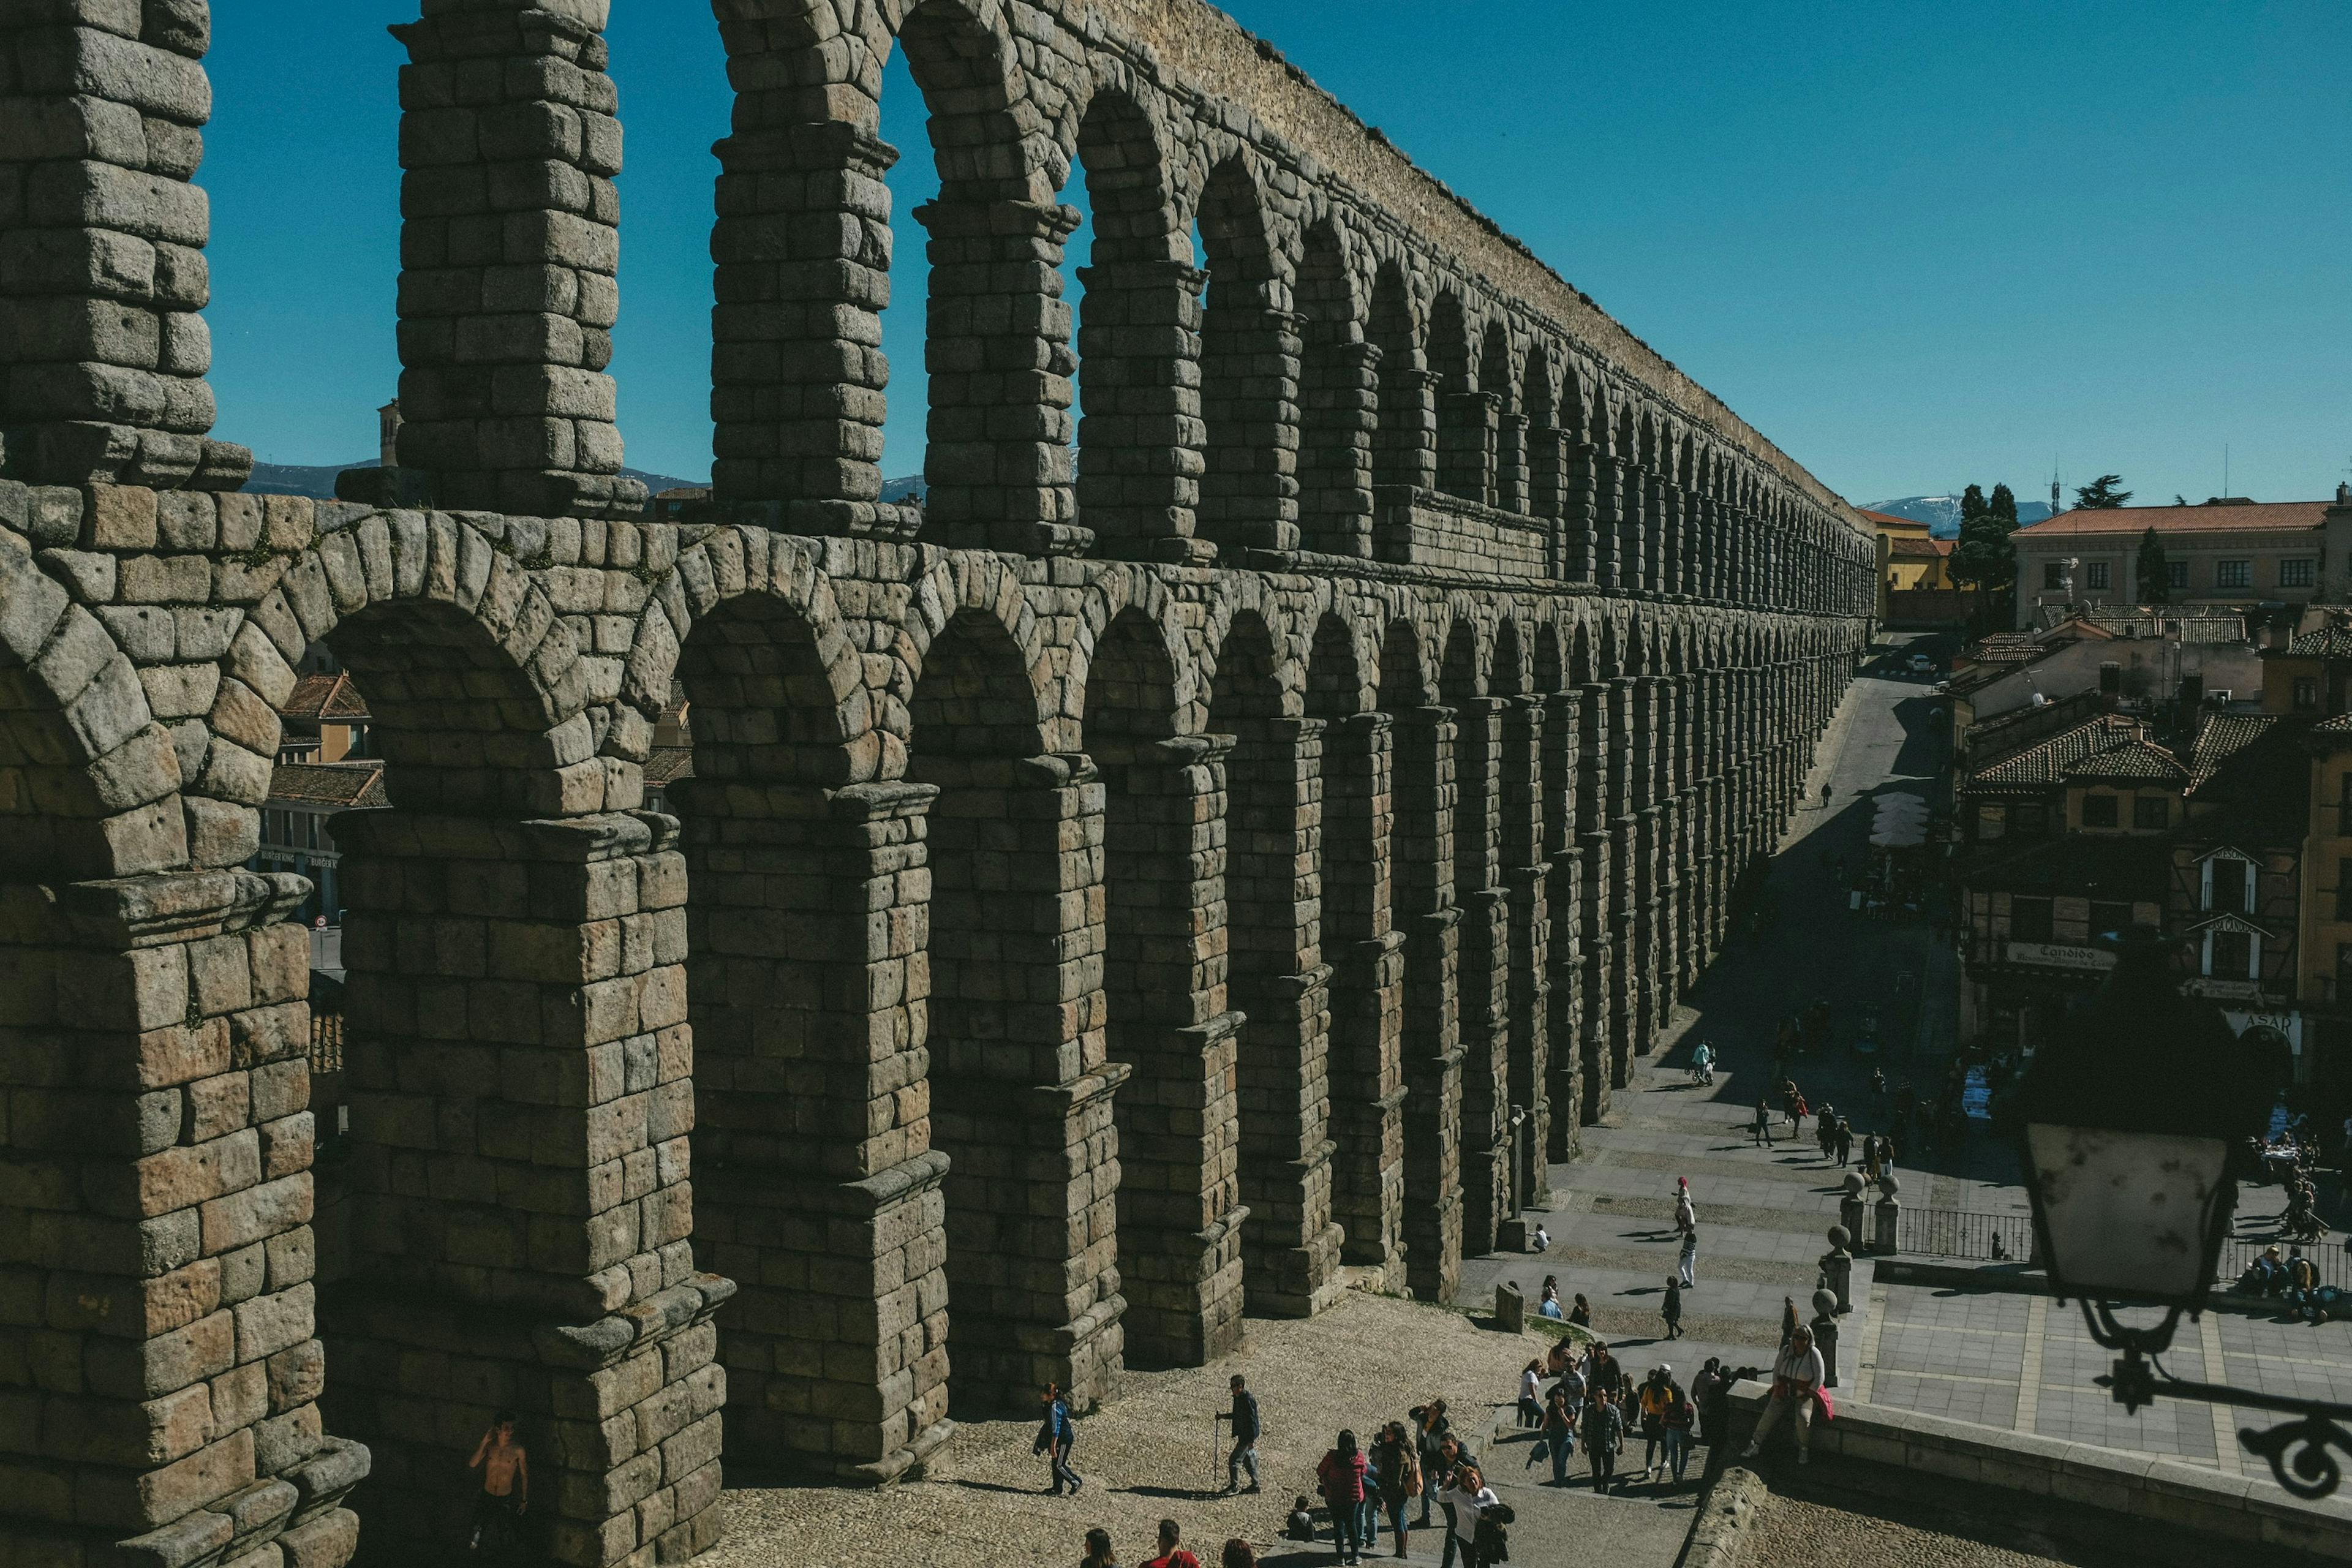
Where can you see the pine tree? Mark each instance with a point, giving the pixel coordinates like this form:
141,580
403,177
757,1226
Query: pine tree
1972,503
2155,574
2101,494
2003,505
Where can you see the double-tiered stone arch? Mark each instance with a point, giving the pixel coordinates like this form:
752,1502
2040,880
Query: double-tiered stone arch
1238,837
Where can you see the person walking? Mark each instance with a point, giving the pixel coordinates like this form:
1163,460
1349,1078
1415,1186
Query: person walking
1796,1389
1762,1126
1532,1394
1844,1141
1057,1434
1172,1554
1670,1309
1686,1261
1789,1323
1246,1428
1098,1552
1825,1129
1467,1499
1686,1214
1558,1433
1429,1430
1396,1469
1709,1391
1604,1429
1798,1111
1870,1158
1341,1476
1682,1416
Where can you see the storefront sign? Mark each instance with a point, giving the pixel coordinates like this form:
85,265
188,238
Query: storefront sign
2058,955
2288,1025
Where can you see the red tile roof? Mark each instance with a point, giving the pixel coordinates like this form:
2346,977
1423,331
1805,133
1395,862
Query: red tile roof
2250,517
329,697
1930,547
356,786
1888,519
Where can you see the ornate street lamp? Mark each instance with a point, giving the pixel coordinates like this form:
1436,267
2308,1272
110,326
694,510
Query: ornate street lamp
2129,1119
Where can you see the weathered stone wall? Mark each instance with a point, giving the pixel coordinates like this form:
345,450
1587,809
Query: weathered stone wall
1100,908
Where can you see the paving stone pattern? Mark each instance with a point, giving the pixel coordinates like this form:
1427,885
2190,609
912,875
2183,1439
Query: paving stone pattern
1098,921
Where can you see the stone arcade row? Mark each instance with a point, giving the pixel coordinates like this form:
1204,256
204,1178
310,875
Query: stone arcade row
1101,908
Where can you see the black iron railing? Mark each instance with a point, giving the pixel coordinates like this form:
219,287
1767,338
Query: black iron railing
1954,1233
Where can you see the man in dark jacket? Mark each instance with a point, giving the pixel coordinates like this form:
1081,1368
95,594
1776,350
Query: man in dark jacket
1246,1431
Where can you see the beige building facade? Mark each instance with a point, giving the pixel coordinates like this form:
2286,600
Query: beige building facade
2226,551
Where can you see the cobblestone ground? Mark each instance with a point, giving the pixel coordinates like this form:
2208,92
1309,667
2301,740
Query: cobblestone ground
1146,1454
1881,1532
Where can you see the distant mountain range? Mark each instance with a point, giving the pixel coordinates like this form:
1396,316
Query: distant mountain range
318,483
1942,513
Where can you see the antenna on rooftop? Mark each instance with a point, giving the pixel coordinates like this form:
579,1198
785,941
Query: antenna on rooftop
2225,468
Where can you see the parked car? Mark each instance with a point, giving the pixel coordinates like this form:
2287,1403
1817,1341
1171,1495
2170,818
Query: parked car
1922,665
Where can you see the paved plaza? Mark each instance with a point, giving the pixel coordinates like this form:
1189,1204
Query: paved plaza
1973,1353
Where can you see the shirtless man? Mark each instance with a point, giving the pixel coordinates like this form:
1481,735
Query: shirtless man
506,1482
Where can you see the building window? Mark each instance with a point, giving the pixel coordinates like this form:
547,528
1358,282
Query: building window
2099,811
2107,919
2097,574
2176,574
2306,693
2053,574
2151,813
2030,821
1989,821
2227,886
2234,574
2344,808
2028,918
2344,890
2296,572
2229,956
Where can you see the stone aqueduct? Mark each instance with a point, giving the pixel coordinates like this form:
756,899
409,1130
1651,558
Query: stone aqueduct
1110,901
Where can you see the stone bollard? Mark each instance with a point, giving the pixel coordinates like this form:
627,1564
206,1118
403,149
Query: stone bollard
1890,1213
1510,1307
1826,1335
1837,1269
1853,1213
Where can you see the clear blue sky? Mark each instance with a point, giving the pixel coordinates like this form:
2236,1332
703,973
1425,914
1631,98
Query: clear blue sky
1914,245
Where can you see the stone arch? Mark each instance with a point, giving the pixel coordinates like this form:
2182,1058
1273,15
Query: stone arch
970,590
477,692
1249,357
1465,411
1338,382
1404,448
1162,1004
1141,309
1277,981
89,783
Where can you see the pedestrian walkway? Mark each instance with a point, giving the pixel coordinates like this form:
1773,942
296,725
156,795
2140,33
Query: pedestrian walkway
2004,1358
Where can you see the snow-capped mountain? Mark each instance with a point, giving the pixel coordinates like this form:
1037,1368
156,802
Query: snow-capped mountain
1942,513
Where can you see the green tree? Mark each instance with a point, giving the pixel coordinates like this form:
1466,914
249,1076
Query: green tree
1984,558
2155,574
2101,494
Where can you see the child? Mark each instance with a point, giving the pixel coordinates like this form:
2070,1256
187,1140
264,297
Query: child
1301,1525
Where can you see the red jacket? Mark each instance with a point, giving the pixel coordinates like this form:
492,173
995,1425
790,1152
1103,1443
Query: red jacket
1342,1478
